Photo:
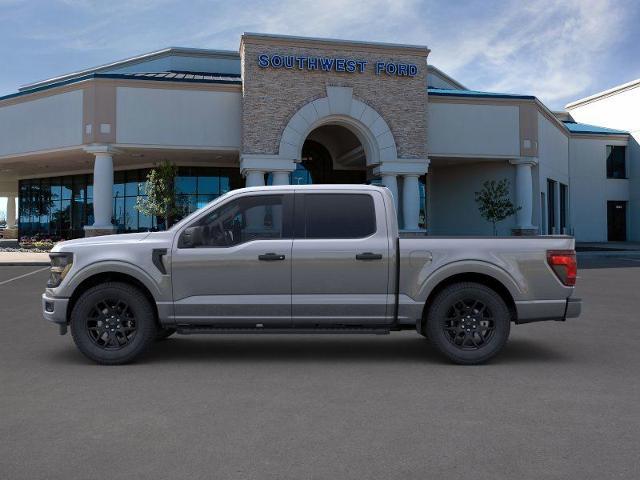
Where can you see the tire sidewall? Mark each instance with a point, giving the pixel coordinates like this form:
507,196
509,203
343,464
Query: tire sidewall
437,315
143,313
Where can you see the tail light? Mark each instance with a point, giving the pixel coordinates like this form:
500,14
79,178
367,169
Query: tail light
564,265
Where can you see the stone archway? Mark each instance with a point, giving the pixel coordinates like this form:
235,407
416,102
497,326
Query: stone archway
340,108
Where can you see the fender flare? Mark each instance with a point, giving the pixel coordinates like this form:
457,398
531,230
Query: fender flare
461,267
113,266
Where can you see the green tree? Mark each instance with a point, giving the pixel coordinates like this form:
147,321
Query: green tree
494,202
160,191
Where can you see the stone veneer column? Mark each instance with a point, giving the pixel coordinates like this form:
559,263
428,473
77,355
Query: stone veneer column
102,191
524,195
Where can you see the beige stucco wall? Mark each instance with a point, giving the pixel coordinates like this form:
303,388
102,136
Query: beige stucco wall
53,121
590,189
271,96
452,209
619,111
467,129
178,117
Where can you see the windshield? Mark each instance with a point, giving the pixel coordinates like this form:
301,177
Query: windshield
198,212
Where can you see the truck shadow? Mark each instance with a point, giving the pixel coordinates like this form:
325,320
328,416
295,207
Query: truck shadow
326,350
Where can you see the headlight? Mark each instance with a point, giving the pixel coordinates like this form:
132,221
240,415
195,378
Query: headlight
60,265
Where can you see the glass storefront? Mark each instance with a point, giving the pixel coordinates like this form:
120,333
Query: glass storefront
59,207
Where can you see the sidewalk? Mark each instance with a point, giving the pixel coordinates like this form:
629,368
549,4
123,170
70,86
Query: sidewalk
23,259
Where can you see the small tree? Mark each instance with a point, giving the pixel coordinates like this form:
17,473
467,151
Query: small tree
160,191
494,202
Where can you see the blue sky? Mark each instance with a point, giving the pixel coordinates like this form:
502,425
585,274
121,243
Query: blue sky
557,50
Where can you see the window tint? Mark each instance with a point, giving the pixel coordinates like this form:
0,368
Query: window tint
616,162
337,215
259,217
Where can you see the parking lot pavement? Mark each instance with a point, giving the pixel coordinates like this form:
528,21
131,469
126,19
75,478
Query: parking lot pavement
560,402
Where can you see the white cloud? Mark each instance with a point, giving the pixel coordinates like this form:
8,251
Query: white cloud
546,48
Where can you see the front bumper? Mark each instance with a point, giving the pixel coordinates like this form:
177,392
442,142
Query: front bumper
55,309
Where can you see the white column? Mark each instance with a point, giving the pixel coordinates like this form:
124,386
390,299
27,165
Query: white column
524,193
102,190
254,178
280,178
410,202
11,212
390,181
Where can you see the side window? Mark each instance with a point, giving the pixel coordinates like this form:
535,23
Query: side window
259,217
338,215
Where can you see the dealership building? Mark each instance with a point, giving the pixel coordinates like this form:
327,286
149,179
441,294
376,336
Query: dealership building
75,150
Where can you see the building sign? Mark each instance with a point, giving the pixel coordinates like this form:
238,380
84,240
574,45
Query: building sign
335,64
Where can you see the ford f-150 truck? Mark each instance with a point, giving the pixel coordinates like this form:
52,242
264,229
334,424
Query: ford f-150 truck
305,259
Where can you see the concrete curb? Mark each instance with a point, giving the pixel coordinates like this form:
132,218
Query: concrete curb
24,264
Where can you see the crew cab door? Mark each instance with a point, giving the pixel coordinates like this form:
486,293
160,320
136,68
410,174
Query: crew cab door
340,259
232,266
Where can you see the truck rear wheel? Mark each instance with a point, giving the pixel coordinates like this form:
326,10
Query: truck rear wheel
113,323
468,322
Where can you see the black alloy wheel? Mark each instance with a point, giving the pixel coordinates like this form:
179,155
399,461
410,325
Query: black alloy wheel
113,323
468,322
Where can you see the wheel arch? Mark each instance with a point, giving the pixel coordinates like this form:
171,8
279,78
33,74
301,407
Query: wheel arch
98,278
482,278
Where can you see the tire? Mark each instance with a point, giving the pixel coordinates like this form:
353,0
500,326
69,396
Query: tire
164,333
113,323
468,322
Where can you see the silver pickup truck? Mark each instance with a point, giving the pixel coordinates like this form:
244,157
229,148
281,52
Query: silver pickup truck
305,259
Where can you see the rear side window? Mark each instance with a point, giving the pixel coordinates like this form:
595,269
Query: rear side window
337,215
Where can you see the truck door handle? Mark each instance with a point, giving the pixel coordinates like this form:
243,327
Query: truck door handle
369,256
270,257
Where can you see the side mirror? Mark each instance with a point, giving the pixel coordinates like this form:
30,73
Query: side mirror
189,237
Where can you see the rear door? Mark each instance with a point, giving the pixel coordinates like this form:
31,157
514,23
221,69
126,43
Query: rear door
340,255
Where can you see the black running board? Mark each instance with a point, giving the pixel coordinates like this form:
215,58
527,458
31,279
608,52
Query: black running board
198,329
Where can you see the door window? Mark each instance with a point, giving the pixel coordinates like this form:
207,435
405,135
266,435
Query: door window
258,217
337,215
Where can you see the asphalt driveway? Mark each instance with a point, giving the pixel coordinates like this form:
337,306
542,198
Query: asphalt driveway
563,400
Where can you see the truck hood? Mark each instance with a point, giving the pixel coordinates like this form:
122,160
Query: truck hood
83,242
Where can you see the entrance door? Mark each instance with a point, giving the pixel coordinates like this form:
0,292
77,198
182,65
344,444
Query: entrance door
617,221
232,266
340,260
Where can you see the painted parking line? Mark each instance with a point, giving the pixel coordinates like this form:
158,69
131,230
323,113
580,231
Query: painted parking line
24,275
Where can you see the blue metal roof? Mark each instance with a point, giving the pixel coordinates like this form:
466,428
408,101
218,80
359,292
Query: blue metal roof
585,128
475,93
188,77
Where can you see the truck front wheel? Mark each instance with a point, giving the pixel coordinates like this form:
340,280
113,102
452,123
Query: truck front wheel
468,322
113,323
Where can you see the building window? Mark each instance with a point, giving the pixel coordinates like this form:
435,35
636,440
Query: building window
59,207
564,207
551,206
616,161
